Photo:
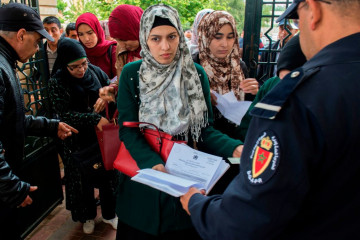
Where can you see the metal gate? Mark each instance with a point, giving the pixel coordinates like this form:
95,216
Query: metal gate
261,14
40,165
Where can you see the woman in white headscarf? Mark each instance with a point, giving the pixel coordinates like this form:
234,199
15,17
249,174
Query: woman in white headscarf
167,89
194,45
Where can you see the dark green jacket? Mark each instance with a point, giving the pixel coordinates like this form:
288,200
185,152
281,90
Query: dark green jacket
138,205
245,121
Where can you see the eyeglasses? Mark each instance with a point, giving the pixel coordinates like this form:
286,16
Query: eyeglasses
79,67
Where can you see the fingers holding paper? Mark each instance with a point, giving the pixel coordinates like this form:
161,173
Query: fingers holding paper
186,198
250,85
159,167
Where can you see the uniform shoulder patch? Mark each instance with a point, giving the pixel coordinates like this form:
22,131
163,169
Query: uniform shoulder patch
264,158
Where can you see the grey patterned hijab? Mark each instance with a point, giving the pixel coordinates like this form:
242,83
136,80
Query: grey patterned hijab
171,95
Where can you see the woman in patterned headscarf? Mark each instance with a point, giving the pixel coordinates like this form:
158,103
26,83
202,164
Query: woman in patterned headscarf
219,55
167,89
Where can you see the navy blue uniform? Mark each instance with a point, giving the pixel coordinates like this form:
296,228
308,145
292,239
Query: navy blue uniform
300,168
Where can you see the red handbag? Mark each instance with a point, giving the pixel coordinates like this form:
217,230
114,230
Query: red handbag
159,141
109,140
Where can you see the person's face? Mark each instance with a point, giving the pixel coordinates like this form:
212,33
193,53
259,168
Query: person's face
54,31
29,45
129,45
163,43
73,34
78,68
223,42
283,34
305,36
87,36
188,34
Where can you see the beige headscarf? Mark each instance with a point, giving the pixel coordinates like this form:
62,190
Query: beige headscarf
224,75
171,95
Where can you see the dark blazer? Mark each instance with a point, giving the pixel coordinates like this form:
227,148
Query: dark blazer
14,126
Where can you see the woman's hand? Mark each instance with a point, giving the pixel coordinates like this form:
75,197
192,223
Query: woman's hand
103,121
238,151
213,99
160,167
107,93
99,105
250,85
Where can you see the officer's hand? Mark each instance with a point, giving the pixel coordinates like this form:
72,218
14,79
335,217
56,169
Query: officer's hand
65,130
186,198
213,99
238,151
28,200
107,93
250,85
159,167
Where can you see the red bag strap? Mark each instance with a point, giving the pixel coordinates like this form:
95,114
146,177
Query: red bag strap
136,124
116,113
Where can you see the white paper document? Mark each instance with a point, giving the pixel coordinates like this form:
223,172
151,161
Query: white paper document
233,160
230,107
186,168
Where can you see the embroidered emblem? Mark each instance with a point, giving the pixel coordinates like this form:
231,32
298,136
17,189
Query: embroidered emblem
264,158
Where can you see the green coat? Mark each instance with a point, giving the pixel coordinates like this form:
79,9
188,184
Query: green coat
138,205
241,130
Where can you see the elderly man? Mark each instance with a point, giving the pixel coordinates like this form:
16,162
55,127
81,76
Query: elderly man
299,167
20,32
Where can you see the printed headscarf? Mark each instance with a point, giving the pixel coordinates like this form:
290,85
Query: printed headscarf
224,75
124,24
194,42
102,45
171,95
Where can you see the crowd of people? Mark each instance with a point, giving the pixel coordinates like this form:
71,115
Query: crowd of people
296,141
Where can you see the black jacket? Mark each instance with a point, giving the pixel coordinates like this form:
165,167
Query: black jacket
14,126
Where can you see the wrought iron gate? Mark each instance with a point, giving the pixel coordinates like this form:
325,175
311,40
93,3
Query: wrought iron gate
261,14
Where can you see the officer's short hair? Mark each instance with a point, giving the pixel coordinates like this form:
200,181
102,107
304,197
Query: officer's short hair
52,19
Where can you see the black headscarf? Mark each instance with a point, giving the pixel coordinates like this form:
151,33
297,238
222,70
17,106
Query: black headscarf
83,91
68,50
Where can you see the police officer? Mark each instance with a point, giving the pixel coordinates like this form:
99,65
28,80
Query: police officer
20,32
300,163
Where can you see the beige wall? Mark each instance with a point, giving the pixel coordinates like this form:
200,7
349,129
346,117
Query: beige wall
48,8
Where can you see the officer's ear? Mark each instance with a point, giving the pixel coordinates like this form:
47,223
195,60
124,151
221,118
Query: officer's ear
20,35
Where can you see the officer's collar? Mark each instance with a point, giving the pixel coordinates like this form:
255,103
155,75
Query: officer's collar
344,50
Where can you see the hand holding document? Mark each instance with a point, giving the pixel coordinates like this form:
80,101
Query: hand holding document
230,107
186,168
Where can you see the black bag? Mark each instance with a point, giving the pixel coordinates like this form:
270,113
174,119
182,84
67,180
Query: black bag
89,160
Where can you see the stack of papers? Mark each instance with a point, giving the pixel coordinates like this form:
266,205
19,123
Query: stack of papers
186,168
231,108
